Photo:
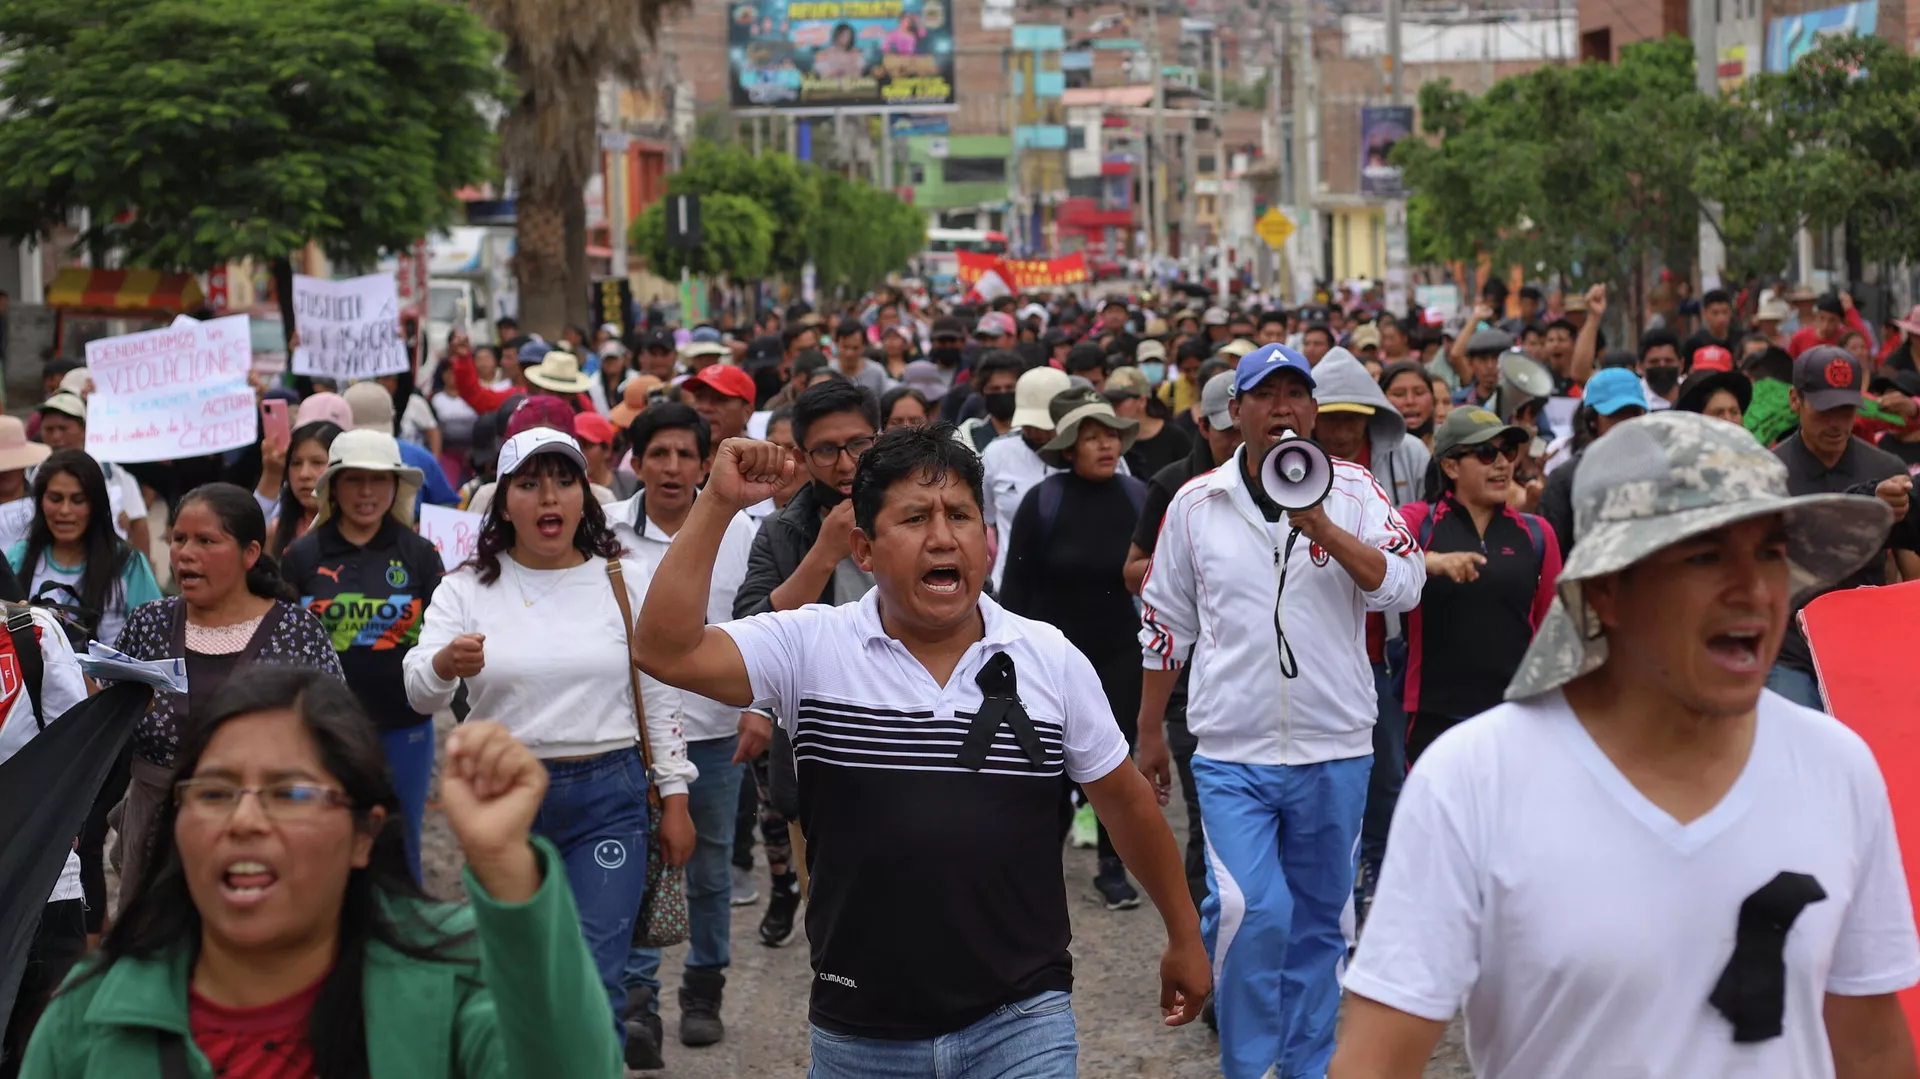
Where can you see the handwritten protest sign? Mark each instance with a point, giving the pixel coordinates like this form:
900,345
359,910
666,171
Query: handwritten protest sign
16,517
454,533
348,329
177,392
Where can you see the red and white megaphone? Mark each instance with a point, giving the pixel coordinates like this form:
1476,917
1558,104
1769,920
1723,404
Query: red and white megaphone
1297,473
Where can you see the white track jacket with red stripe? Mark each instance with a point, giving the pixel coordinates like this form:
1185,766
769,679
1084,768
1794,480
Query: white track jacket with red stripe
1215,583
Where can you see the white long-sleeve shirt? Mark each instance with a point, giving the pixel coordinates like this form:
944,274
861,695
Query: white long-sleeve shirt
1215,580
702,718
556,664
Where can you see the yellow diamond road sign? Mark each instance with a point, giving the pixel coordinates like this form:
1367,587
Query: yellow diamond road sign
1274,228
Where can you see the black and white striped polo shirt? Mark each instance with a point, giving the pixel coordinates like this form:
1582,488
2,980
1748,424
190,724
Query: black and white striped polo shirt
938,893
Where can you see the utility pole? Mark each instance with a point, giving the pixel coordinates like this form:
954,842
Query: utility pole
1396,209
1305,255
1706,55
1221,267
1157,242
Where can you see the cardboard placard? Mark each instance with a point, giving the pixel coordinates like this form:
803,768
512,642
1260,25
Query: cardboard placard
454,533
166,394
348,329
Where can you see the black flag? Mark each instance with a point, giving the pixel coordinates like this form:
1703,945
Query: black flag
46,790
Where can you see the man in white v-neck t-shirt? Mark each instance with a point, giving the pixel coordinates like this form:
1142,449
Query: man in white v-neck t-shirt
1643,864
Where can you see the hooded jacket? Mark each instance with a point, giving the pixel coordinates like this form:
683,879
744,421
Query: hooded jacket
1399,462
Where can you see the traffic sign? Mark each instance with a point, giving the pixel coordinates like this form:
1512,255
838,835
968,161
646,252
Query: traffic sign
1274,227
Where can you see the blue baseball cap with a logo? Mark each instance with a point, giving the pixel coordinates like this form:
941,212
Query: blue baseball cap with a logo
1255,366
1613,389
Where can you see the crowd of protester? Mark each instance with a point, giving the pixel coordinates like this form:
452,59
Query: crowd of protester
862,615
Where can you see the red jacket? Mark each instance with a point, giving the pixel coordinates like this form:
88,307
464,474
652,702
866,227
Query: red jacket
1807,337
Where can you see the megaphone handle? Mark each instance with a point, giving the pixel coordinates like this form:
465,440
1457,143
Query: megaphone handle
1289,667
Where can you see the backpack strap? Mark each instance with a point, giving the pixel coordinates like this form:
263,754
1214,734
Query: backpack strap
1537,537
1052,491
1136,493
1427,521
26,650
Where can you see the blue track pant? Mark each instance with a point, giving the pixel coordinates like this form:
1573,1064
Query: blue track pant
1282,843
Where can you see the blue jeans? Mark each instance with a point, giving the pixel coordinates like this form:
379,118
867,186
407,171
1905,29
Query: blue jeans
1389,758
713,801
1281,846
1797,686
410,759
595,811
1030,1039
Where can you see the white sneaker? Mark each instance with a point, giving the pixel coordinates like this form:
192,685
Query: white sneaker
745,892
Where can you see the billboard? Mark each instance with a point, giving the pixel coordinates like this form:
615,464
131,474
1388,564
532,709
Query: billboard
840,54
1380,127
1793,36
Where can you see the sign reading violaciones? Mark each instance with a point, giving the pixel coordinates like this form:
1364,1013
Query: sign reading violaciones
172,393
854,54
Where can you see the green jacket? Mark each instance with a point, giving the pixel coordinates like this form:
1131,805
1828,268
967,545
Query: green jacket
532,1008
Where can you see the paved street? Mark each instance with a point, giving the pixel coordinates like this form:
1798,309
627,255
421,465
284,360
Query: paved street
1116,993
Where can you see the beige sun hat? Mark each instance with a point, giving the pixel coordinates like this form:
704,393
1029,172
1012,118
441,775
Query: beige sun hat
1658,480
559,372
368,450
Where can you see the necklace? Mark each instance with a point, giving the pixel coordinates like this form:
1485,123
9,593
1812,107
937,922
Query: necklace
521,586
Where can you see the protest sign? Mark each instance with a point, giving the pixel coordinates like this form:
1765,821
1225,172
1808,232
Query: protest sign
177,392
16,518
348,329
454,533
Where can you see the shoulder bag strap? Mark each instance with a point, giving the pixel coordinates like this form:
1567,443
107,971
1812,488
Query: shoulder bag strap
26,650
616,574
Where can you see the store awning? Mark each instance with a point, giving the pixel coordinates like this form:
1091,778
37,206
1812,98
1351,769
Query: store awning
77,288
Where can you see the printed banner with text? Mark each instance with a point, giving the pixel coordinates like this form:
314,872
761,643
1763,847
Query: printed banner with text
1024,273
853,54
173,393
348,329
454,533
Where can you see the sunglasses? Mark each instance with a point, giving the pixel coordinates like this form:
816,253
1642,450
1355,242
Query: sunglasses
1487,452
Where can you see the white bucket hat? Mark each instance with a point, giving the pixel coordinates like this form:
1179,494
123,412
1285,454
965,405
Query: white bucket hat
368,450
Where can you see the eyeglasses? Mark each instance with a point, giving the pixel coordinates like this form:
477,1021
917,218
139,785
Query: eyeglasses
826,455
1486,452
217,799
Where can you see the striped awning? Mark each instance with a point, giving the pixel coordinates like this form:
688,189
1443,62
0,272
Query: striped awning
77,288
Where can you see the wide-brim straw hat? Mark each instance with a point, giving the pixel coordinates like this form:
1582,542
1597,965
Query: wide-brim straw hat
560,372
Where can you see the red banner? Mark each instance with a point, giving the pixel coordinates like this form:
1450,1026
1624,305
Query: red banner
1024,274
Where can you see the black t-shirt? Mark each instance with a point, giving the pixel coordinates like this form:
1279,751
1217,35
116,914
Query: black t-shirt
1859,471
372,601
1149,455
1465,640
1906,451
1070,572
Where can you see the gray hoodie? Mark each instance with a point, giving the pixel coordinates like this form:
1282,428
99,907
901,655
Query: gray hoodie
1399,462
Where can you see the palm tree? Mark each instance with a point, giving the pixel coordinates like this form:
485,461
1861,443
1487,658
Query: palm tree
558,51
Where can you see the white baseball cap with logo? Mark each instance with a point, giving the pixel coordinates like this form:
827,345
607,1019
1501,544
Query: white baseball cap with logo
528,444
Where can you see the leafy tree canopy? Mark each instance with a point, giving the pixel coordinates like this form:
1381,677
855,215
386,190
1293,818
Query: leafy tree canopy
198,131
736,239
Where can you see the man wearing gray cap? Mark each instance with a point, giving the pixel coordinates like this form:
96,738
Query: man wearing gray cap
1644,863
1483,351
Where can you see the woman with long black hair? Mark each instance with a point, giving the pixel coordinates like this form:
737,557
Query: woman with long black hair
300,469
72,558
534,627
280,933
233,609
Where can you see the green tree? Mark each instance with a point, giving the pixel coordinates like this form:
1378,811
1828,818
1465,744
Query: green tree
786,189
1587,171
736,239
198,131
861,234
559,54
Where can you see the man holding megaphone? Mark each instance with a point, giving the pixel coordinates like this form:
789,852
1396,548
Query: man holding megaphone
1273,560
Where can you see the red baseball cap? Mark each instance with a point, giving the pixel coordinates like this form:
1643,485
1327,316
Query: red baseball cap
727,379
1712,358
592,427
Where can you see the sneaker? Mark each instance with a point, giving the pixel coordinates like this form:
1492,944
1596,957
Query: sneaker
1111,883
1364,883
1086,828
777,925
644,1031
745,892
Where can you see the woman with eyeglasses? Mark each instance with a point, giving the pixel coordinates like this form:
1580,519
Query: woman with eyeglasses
1490,576
534,627
280,932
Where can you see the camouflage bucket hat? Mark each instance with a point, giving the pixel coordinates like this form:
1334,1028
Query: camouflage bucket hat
1655,481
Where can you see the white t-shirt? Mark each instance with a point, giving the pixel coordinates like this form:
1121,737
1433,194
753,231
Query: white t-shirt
1585,929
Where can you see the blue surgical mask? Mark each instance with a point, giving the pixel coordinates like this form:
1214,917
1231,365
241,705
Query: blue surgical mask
1155,371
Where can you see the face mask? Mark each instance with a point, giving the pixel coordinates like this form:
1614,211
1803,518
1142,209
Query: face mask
944,355
999,405
1663,379
826,497
1156,372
